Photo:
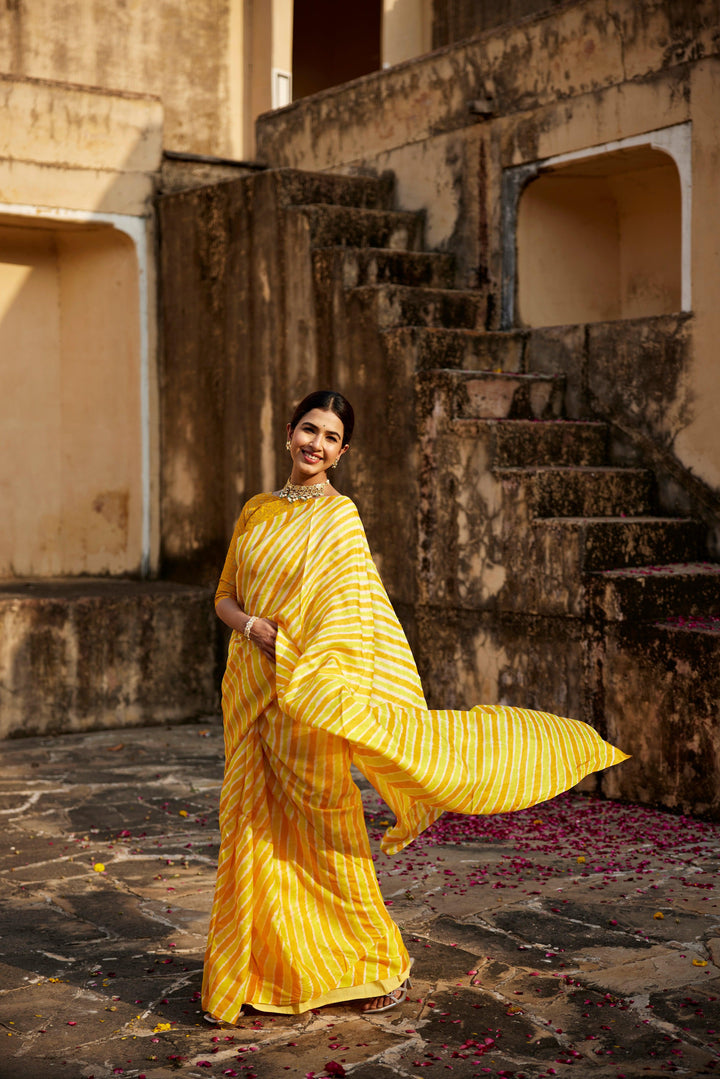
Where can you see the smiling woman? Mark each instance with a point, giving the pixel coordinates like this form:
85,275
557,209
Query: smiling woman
320,677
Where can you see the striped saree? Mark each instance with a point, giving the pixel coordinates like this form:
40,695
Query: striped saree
298,920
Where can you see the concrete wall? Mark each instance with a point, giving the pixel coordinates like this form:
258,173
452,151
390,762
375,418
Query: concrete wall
451,125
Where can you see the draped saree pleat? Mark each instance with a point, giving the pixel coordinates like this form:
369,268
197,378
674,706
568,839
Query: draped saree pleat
298,920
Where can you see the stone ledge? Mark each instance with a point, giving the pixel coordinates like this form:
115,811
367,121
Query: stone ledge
81,654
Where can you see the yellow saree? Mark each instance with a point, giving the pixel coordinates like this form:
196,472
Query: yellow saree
298,920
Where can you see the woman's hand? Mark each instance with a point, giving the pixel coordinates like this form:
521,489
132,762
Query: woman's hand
263,633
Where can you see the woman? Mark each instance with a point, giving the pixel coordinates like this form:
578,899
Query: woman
319,676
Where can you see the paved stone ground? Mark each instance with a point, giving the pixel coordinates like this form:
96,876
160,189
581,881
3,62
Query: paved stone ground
579,938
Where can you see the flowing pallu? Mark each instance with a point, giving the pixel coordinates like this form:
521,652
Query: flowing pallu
298,920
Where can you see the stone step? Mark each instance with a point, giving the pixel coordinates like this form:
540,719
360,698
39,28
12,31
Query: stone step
568,544
296,187
358,266
471,350
659,685
521,443
706,625
581,491
347,226
397,305
488,395
688,590
702,624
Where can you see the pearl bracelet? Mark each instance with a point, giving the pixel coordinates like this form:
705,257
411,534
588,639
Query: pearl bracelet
249,626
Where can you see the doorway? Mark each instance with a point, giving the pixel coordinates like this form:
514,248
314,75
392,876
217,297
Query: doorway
333,43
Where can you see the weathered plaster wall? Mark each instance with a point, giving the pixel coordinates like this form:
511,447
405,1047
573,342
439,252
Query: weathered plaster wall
177,52
76,148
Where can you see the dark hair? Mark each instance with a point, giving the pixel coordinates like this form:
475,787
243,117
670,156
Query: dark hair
327,400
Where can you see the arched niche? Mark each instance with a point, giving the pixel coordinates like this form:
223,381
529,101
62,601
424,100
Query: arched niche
600,238
71,468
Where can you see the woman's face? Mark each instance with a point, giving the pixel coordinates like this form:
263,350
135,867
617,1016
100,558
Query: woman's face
315,444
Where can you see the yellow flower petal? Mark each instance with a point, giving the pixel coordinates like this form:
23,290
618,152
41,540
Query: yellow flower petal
581,859
162,1026
699,962
658,914
99,867
183,812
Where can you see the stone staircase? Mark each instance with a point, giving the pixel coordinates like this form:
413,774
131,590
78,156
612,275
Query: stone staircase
527,566
531,557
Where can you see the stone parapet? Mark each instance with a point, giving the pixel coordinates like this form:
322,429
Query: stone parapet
83,654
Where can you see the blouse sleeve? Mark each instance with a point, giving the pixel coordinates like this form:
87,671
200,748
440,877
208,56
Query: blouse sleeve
227,586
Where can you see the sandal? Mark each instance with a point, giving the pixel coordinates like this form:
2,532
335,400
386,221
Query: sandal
397,996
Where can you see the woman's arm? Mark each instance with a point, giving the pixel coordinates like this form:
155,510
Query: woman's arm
262,632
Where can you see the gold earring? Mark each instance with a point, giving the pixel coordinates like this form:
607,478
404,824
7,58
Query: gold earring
335,463
287,444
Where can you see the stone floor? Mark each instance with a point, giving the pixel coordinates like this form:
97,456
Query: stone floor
579,938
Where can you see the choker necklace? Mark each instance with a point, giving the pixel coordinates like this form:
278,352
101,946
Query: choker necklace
299,492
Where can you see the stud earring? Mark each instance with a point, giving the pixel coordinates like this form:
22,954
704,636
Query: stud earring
287,444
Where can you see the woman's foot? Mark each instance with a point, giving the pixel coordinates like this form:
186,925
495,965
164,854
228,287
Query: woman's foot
383,1004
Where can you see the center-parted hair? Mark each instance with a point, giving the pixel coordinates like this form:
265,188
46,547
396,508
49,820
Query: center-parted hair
327,400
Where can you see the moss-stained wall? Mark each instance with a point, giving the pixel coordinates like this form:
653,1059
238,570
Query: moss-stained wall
455,20
252,320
